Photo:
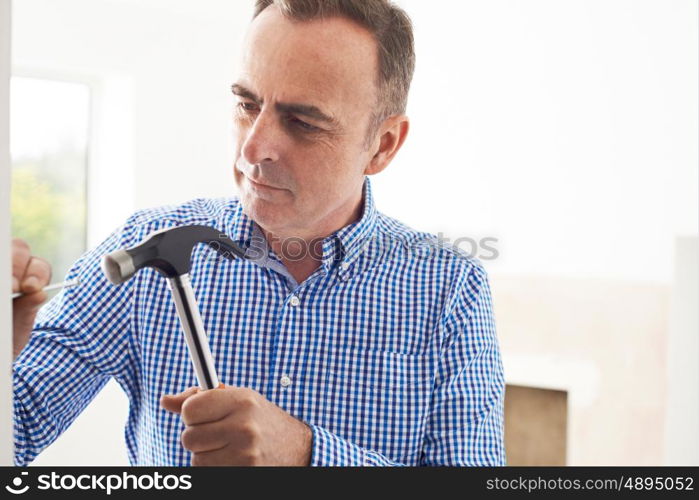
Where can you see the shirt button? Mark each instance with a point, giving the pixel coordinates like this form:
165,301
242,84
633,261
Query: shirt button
285,381
294,301
344,266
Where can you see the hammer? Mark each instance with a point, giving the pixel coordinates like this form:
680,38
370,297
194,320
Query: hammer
169,251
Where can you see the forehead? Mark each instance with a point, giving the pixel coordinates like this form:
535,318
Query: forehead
332,60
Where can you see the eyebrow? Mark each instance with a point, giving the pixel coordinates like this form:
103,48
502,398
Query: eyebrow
308,110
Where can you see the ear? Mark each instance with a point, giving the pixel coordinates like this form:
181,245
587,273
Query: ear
391,136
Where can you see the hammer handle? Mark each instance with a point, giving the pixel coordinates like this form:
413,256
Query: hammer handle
195,335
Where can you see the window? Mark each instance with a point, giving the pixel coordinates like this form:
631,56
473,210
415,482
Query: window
49,130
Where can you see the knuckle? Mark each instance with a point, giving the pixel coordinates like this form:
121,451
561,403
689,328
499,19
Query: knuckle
257,458
251,457
248,399
20,244
245,403
247,430
40,268
188,438
41,263
249,433
187,411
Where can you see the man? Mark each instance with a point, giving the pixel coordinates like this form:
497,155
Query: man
340,341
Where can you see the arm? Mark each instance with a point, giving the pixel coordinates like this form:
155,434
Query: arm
465,423
329,449
80,340
465,426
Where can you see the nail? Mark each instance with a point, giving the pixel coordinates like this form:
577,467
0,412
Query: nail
31,284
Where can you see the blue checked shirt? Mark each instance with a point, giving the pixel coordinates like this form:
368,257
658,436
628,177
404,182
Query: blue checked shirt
388,351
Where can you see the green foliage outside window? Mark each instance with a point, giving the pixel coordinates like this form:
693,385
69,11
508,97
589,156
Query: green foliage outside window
48,210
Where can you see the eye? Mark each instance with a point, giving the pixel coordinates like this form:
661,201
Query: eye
307,127
248,107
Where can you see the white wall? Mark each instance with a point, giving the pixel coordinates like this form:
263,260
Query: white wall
565,128
604,342
5,270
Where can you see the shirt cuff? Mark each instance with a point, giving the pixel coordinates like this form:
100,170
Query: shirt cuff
329,450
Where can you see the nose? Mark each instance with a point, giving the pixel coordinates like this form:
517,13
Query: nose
261,143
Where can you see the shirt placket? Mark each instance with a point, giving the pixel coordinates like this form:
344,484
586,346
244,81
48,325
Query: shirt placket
284,383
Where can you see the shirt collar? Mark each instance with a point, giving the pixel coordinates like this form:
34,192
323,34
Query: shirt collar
344,245
348,242
240,226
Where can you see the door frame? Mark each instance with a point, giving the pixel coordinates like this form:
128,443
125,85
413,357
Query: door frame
6,419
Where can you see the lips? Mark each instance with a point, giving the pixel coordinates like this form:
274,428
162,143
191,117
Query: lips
260,184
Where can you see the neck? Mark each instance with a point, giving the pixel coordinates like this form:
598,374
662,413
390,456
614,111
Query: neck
301,250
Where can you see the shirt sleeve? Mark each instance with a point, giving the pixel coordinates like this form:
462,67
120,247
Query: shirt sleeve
330,450
465,422
80,339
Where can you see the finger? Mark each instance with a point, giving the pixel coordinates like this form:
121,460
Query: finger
216,404
36,276
29,301
173,402
21,254
215,457
205,437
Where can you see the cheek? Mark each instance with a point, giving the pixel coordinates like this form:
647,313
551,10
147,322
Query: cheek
325,173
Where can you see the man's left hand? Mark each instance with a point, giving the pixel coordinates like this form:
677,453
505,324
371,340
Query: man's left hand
238,426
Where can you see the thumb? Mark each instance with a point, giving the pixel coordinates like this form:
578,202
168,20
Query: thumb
29,303
173,402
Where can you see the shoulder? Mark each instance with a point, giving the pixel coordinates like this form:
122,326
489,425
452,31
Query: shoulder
401,240
212,212
194,211
458,277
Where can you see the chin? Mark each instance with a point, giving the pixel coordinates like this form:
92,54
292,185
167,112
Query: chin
268,215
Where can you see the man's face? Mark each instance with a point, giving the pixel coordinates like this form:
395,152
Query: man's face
305,97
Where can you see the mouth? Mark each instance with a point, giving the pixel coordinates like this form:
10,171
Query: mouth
259,185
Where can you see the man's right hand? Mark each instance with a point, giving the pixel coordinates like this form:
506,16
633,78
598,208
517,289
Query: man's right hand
29,275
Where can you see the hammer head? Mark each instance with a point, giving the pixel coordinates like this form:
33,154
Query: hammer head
118,266
168,251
